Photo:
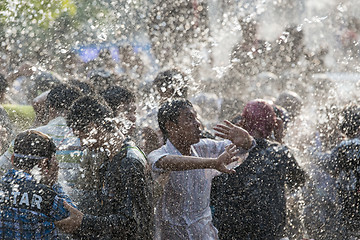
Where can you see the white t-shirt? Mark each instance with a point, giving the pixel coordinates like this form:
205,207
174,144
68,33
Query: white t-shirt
183,210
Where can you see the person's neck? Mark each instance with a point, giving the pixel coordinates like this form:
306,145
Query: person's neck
182,147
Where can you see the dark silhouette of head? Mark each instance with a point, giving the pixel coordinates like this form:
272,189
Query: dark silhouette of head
258,118
30,147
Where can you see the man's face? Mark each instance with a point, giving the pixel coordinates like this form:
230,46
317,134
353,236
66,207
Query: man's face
127,117
90,137
188,126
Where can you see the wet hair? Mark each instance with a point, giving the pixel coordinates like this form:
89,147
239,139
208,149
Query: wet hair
172,78
170,111
30,147
351,120
62,96
87,110
3,85
116,95
85,88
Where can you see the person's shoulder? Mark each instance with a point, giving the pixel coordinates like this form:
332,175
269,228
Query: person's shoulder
135,155
209,141
278,146
350,142
58,122
347,144
161,150
129,154
346,148
275,148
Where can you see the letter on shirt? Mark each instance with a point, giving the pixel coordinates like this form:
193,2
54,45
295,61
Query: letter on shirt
2,196
15,194
36,200
24,199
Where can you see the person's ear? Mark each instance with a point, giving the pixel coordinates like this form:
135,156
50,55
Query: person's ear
43,164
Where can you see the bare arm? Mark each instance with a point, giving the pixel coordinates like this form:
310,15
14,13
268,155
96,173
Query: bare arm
71,223
182,163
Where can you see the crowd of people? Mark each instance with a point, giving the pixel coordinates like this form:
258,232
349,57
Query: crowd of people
99,162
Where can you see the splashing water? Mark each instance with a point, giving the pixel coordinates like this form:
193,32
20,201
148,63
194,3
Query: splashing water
233,51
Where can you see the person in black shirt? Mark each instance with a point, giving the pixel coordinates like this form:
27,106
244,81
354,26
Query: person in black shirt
251,204
126,204
344,166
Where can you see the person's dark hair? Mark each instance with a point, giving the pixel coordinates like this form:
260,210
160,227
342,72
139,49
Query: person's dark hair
351,121
30,147
85,88
62,96
170,111
115,96
87,110
292,103
3,85
172,78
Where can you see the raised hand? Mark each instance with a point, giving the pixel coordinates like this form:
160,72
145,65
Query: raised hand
239,136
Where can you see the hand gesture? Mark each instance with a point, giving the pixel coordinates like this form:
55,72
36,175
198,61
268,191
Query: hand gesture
239,136
226,158
71,223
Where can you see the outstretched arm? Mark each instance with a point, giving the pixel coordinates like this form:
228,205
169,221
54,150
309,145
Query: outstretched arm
239,136
71,223
182,163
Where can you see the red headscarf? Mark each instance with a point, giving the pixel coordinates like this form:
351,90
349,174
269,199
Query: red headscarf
258,115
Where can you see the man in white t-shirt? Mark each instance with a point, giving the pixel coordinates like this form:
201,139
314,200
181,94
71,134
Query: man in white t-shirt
185,165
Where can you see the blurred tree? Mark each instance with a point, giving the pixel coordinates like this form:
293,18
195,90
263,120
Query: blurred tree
42,12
